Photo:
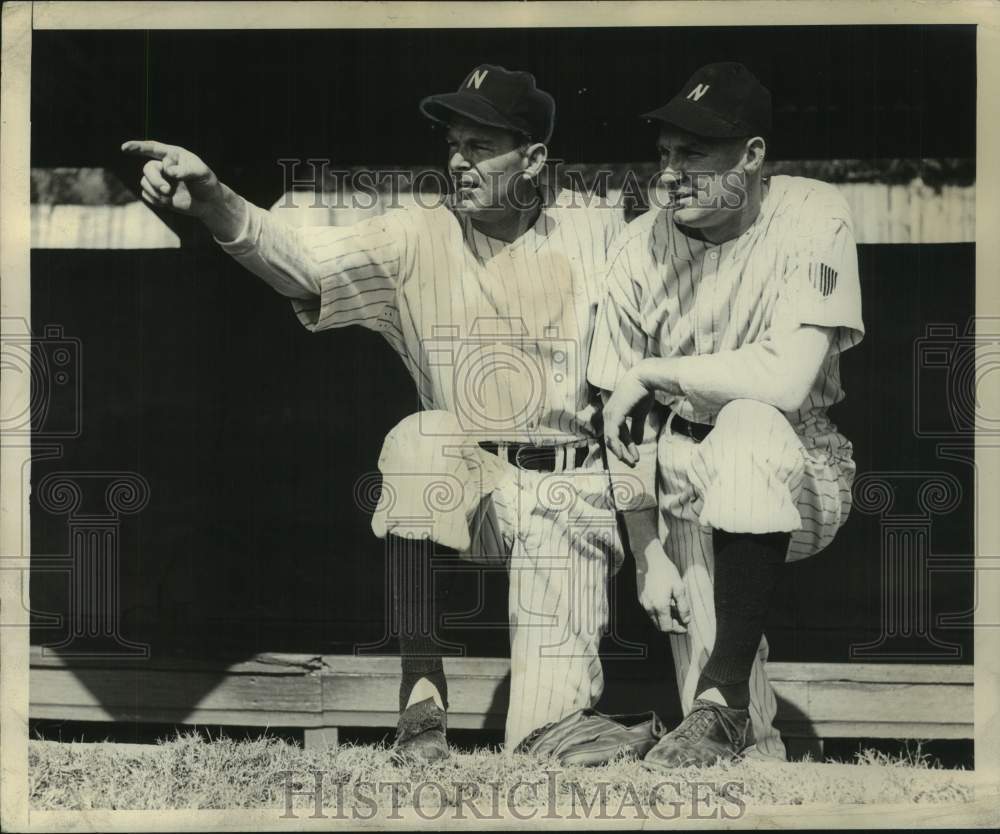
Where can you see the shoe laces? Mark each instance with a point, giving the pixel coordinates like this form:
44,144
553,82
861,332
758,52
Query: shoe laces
695,725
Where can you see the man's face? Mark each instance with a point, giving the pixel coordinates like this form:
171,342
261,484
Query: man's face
702,179
484,164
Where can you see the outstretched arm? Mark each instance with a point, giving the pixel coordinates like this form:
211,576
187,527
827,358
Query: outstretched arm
175,178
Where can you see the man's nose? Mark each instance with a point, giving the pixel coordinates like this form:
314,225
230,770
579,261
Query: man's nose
458,162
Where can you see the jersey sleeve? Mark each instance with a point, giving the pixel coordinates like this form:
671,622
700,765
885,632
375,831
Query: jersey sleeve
619,340
822,285
350,274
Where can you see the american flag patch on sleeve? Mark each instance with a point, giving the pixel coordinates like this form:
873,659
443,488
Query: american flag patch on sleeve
824,278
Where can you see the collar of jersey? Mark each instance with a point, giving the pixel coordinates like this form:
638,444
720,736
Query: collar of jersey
675,235
543,226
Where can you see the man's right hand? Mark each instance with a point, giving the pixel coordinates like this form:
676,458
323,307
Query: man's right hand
661,590
175,178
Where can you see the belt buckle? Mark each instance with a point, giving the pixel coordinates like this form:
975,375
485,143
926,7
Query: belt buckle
534,459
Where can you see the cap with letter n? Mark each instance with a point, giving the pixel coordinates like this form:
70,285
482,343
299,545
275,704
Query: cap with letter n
498,97
720,101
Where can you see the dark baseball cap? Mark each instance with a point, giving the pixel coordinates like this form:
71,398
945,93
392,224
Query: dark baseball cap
498,97
719,101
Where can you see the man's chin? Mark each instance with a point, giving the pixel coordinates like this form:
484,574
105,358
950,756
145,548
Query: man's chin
693,216
471,207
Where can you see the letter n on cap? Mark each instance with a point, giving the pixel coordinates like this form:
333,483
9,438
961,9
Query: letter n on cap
477,78
696,93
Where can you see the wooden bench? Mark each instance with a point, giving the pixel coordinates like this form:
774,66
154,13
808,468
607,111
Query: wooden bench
322,694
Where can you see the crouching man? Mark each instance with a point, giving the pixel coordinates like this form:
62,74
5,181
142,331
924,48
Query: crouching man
730,305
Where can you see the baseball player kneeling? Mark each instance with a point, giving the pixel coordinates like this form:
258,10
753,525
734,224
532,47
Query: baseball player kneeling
490,301
730,304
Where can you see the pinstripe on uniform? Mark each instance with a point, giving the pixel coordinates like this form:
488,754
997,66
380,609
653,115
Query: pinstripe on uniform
486,329
759,470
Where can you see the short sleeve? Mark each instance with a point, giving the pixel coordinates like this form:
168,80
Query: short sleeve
822,286
358,268
619,341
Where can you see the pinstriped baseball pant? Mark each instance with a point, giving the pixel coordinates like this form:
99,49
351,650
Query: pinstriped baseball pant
555,534
751,474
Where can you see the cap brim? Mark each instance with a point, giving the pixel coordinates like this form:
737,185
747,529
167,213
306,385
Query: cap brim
441,108
694,119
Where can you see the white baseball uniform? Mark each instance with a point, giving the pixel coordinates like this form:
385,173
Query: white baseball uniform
759,470
496,337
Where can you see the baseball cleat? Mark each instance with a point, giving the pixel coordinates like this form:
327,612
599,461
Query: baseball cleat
709,733
420,734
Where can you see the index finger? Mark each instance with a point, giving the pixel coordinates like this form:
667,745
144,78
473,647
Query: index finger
137,147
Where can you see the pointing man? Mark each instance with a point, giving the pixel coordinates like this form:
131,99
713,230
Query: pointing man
490,302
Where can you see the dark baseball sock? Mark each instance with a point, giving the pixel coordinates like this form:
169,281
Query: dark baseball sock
747,566
417,600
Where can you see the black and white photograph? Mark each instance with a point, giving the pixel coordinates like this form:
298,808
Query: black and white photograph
516,414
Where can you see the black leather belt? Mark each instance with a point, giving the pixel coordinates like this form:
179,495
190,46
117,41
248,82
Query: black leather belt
696,431
538,458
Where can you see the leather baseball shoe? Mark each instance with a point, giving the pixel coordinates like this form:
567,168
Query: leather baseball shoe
420,734
710,732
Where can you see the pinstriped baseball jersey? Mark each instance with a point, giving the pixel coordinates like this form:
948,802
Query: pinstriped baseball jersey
674,295
496,333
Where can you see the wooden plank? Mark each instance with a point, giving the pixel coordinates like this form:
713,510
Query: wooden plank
146,690
940,703
872,672
876,729
261,664
381,694
160,715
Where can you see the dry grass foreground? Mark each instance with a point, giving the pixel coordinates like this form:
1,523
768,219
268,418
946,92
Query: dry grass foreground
360,782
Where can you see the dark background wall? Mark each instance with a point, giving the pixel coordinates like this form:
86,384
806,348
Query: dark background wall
252,433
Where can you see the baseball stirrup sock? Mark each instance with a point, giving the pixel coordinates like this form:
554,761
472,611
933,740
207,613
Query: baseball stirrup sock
417,600
747,567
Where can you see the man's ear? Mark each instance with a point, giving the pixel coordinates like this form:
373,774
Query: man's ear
534,160
754,154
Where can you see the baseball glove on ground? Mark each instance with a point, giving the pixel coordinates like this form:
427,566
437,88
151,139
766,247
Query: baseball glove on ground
590,738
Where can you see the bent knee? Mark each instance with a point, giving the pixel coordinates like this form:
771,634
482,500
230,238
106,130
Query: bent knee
751,439
424,425
753,425
750,416
417,441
